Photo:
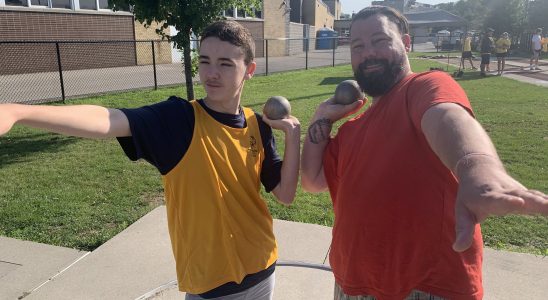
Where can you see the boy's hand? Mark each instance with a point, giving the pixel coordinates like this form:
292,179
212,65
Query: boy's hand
286,125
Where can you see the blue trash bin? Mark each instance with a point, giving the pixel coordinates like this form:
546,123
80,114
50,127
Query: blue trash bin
326,39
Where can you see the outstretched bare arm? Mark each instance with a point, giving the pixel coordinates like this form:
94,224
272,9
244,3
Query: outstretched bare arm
87,121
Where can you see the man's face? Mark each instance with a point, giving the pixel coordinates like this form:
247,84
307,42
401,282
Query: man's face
378,54
222,69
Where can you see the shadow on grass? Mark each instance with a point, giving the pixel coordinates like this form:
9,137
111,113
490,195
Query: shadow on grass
15,149
334,80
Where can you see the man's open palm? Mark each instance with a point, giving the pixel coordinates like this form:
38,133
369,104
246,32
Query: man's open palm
491,192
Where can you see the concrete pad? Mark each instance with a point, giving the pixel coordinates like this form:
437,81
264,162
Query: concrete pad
127,266
25,265
138,264
509,276
297,242
302,241
291,283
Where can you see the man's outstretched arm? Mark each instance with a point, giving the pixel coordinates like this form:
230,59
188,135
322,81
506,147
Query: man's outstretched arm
484,186
87,121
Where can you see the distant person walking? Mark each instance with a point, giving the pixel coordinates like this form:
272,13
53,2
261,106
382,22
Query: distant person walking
486,47
501,48
536,47
467,51
545,43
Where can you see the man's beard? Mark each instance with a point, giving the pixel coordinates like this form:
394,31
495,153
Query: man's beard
378,83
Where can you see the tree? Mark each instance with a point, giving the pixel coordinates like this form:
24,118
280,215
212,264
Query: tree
538,15
507,16
187,16
473,11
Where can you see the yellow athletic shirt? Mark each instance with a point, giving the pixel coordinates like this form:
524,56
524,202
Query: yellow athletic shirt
467,44
220,227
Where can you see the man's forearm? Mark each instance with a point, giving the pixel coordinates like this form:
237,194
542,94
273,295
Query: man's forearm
457,138
313,179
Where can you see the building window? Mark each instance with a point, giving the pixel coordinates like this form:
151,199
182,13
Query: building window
241,13
103,4
16,2
39,2
61,4
88,4
229,12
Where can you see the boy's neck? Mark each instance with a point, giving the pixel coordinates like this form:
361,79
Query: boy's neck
226,107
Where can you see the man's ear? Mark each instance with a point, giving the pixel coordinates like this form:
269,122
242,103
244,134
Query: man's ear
406,39
250,70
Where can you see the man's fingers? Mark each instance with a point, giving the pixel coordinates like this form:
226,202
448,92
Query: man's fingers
500,204
356,106
535,202
465,224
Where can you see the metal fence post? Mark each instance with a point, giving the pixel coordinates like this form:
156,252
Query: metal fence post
334,45
412,43
307,40
266,53
60,71
154,65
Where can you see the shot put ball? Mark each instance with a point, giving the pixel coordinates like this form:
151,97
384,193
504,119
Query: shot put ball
348,92
277,107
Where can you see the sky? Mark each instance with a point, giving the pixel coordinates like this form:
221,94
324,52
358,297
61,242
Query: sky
349,6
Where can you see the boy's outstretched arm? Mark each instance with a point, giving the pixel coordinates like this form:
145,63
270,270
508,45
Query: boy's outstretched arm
286,189
87,121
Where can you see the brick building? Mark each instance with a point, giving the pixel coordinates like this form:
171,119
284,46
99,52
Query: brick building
110,36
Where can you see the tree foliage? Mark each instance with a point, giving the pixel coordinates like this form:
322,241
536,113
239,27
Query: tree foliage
538,15
512,16
507,16
187,16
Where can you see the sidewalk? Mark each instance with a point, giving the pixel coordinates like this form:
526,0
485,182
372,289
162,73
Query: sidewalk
138,264
516,68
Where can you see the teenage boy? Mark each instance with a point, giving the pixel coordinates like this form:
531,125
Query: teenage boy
486,47
536,47
467,51
213,155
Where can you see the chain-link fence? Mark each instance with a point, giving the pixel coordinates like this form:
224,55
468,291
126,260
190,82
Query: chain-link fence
47,71
50,71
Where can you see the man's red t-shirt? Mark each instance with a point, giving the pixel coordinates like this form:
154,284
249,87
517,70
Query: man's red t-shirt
394,200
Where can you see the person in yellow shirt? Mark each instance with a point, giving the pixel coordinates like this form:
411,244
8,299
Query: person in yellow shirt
467,51
545,43
213,155
501,48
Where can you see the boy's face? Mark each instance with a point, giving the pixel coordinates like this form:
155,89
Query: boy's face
222,70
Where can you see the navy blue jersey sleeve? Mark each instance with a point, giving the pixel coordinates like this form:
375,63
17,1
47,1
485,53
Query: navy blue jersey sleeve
161,133
272,164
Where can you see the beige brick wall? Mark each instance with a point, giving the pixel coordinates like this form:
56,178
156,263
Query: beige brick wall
162,49
48,25
316,13
276,20
256,27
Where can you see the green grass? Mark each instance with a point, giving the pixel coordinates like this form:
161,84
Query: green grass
79,193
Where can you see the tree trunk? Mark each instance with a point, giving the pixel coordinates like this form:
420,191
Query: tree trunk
188,70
